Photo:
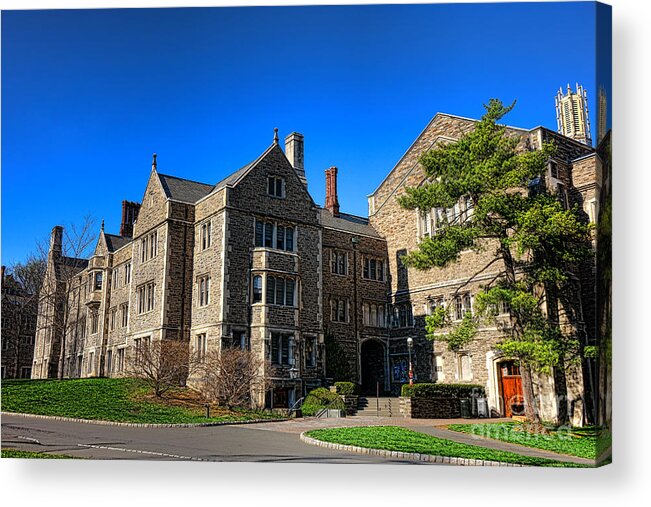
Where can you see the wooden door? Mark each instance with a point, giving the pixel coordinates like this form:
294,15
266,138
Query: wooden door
511,384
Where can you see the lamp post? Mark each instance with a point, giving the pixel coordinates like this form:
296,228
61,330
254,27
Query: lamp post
410,344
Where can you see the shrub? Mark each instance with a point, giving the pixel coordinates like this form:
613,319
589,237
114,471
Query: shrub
346,388
320,398
427,390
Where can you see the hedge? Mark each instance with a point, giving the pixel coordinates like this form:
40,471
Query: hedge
346,388
428,390
321,398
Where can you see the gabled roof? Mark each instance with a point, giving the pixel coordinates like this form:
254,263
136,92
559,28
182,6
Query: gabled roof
347,223
183,190
114,242
234,177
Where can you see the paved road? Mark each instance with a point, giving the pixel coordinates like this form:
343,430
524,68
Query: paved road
253,443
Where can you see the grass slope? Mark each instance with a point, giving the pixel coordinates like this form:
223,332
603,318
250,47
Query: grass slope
120,400
15,453
581,442
392,438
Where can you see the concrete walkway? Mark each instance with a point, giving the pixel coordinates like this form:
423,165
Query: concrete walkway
489,443
434,427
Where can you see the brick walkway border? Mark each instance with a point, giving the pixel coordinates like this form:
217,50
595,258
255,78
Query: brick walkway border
412,456
142,425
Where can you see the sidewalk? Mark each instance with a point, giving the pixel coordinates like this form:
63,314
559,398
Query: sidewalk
465,438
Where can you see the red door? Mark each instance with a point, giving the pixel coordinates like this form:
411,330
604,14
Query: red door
511,383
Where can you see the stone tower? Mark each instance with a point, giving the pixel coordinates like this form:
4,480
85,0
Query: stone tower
572,114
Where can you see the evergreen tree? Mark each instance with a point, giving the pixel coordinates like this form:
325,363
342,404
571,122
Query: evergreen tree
537,243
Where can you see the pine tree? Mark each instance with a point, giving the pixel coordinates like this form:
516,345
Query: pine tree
537,243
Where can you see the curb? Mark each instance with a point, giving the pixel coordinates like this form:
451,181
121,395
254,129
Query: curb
141,425
406,455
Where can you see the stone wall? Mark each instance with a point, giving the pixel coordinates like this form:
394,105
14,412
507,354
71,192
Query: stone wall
430,408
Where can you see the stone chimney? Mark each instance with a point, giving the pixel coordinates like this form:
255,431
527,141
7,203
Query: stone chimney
56,241
332,202
295,154
129,216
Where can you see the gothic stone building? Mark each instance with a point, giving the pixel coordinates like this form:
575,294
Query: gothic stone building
19,308
254,262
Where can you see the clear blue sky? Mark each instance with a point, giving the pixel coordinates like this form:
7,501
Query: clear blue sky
89,95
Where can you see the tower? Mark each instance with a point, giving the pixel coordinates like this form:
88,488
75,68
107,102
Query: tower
572,114
602,113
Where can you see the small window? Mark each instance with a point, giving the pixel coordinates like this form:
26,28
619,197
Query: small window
149,246
124,310
310,351
339,310
94,322
203,288
257,289
275,186
373,269
205,235
339,262
145,295
127,273
97,285
462,305
282,349
201,346
114,318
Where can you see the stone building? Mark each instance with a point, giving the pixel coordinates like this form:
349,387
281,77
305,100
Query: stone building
576,173
18,332
254,262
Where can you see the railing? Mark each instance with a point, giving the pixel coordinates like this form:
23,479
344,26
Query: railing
325,409
296,406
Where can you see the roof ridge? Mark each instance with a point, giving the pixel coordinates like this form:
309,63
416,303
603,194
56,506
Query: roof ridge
184,179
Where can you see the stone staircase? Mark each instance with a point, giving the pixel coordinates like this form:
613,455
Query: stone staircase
378,407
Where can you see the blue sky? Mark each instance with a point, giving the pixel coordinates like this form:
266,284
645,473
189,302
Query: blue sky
89,95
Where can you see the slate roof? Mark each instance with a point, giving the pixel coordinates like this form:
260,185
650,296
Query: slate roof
184,190
114,242
348,223
232,178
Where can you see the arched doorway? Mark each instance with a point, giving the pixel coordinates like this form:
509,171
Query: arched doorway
373,366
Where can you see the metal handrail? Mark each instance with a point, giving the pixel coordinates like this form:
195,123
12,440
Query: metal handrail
296,406
326,408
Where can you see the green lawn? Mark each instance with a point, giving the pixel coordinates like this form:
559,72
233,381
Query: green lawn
121,400
15,453
392,438
582,442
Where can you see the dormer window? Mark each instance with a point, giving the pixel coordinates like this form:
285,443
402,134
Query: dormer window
276,186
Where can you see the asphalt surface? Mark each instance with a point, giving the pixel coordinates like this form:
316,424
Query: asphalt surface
250,443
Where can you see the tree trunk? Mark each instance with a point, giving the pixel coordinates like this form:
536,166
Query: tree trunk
531,411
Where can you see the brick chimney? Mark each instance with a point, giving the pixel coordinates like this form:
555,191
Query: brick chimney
56,241
295,154
129,216
332,202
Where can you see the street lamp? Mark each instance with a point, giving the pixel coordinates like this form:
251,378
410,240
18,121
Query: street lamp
410,345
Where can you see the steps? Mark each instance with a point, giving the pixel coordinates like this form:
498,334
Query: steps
377,407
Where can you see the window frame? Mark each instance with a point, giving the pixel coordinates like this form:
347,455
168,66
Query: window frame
276,186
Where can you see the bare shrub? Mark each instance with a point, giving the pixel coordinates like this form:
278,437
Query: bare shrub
231,376
161,364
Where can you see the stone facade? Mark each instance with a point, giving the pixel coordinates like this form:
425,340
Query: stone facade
19,312
254,261
576,167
